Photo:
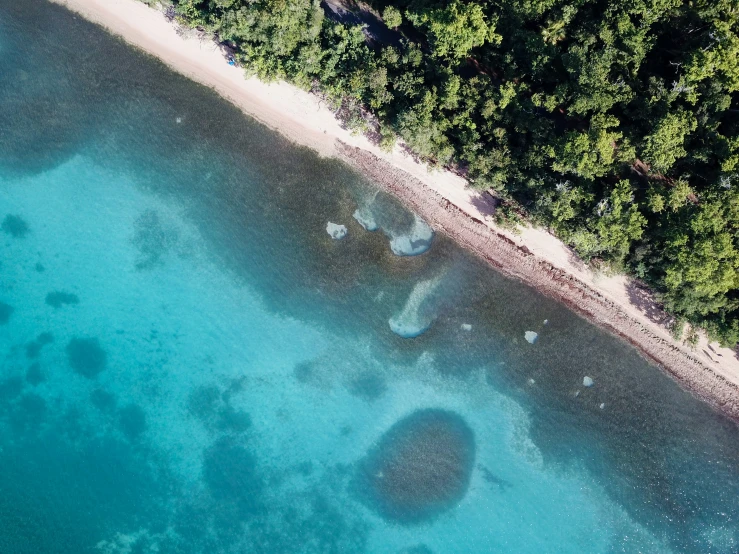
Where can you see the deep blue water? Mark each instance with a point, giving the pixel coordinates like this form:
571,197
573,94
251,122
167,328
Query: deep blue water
189,363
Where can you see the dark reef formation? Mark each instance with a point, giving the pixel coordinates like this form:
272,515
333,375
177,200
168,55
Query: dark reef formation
33,348
368,386
14,226
420,468
230,472
86,357
213,408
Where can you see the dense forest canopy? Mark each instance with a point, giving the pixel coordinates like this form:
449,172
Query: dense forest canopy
615,124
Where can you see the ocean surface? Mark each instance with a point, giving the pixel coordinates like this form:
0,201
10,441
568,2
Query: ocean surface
190,363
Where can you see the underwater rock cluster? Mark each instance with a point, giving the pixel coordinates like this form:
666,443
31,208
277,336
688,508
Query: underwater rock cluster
336,231
420,468
408,234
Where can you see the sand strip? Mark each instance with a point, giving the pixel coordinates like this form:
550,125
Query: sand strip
534,256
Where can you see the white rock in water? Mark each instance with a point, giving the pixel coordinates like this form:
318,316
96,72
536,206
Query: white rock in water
577,393
416,242
365,218
531,336
415,318
603,405
587,381
466,327
546,322
336,231
532,382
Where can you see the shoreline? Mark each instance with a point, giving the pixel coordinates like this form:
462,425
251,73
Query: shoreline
520,263
614,303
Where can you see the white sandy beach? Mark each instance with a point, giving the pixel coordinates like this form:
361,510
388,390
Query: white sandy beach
614,302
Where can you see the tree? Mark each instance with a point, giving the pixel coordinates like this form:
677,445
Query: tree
456,29
666,144
392,17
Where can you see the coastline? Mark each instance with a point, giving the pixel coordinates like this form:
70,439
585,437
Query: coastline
442,198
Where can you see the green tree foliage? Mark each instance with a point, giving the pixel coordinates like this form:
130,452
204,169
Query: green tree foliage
616,124
455,29
392,17
666,144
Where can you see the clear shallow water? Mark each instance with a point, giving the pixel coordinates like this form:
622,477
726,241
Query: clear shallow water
188,363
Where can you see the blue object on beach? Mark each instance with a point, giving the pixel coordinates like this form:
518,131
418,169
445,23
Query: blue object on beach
231,62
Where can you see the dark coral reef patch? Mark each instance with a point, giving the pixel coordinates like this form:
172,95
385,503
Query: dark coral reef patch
33,348
420,468
86,357
14,226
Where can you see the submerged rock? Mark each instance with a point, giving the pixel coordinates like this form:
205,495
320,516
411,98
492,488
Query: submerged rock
407,233
531,336
466,327
420,468
416,241
366,219
587,381
336,231
417,314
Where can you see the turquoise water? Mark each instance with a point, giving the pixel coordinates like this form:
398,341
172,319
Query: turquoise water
189,363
